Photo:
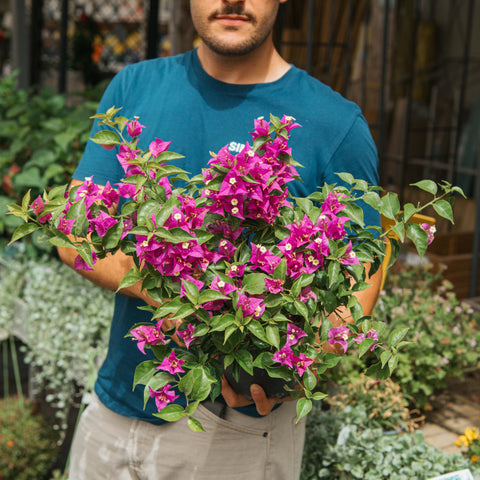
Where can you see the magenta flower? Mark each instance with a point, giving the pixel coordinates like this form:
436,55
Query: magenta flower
284,356
339,335
373,334
236,271
81,264
187,335
148,335
349,257
301,363
250,306
172,364
163,397
263,259
430,231
274,285
109,196
221,286
226,248
306,293
38,205
294,334
65,225
331,203
103,222
45,218
158,146
134,128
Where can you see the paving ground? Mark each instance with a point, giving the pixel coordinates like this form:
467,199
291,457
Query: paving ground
453,411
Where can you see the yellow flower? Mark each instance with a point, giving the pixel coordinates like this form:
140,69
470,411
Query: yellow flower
474,458
462,440
471,434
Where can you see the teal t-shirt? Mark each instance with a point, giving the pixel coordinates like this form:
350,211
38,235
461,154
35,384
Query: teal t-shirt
178,101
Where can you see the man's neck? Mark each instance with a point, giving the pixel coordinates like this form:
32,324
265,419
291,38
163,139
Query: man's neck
263,65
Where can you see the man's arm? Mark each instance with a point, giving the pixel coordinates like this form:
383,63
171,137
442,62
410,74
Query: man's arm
109,271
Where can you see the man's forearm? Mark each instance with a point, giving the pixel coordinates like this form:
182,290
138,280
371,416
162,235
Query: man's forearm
108,272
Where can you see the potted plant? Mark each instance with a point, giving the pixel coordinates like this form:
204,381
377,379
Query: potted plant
255,276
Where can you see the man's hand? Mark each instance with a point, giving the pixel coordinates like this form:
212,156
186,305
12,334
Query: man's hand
263,403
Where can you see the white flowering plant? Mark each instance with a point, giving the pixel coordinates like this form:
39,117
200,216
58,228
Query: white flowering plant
256,276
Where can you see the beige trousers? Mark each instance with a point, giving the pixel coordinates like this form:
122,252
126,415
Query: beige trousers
237,447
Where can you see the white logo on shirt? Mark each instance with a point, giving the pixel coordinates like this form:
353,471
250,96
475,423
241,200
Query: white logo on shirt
236,147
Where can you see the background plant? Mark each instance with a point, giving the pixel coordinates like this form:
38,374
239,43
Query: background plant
384,404
470,442
64,321
27,441
342,446
444,334
42,136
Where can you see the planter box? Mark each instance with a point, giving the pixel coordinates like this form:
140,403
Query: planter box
454,250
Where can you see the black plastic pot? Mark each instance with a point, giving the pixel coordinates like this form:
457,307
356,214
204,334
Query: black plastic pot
274,387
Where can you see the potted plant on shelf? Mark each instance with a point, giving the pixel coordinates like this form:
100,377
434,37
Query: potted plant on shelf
255,276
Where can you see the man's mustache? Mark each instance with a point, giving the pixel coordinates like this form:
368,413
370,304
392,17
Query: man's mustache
233,10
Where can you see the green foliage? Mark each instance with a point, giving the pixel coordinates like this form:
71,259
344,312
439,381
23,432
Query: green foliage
341,447
64,321
42,136
442,338
445,332
383,401
27,442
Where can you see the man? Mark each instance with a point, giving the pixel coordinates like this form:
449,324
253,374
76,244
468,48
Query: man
201,101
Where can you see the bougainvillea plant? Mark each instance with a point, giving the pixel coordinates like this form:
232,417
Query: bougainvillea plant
255,275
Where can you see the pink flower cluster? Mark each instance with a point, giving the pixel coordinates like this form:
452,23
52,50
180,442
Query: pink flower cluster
285,356
341,334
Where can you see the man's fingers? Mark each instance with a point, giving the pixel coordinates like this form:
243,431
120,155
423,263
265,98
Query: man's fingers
262,402
233,398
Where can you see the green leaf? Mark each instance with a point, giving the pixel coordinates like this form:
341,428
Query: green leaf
304,405
309,379
23,231
194,425
419,238
196,384
146,210
106,137
365,346
131,278
444,209
113,235
191,291
354,212
389,205
256,328
408,210
210,296
245,360
427,186
273,336
397,336
254,283
222,322
346,177
171,413
144,372
333,273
